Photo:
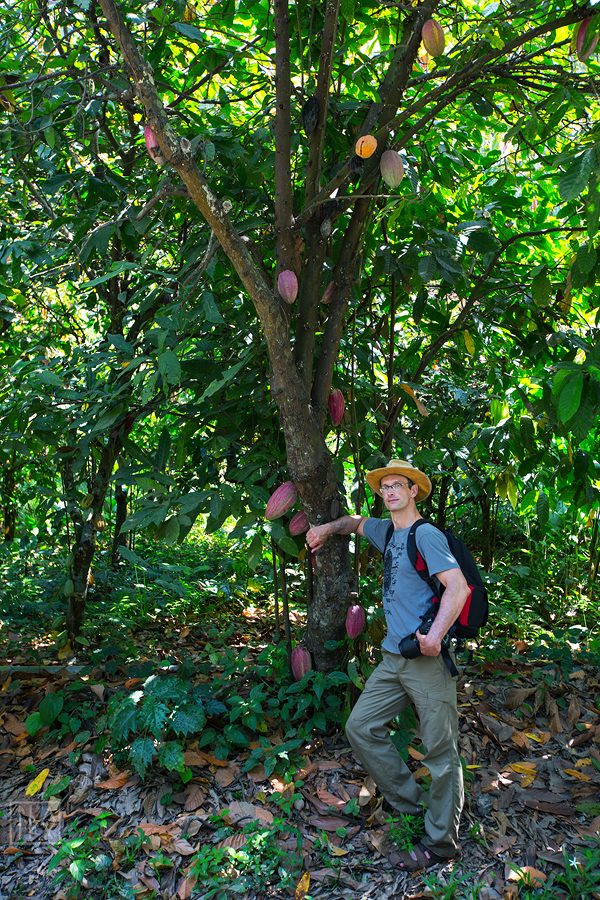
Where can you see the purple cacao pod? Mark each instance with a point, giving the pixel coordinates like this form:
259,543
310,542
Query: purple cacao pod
287,285
281,500
355,620
336,406
328,295
299,524
301,662
433,37
583,55
152,147
392,168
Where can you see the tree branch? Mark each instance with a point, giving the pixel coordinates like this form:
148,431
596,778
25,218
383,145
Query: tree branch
283,152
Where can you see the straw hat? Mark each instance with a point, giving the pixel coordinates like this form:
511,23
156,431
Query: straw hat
400,467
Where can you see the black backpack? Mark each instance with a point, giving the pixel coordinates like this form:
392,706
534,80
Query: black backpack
474,613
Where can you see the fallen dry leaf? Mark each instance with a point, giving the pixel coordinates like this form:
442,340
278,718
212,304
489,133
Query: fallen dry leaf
235,841
113,784
195,797
526,874
240,812
367,791
330,799
302,887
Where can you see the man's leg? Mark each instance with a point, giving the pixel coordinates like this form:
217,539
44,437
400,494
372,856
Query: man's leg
433,691
382,699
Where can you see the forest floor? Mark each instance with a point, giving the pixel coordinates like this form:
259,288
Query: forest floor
529,735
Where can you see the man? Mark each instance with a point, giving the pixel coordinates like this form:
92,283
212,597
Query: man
424,681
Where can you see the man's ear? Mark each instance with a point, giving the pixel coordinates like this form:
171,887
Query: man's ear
414,491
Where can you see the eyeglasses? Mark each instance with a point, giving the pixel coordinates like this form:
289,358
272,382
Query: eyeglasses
385,488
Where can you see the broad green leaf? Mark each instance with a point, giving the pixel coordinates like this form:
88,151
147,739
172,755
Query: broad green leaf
542,509
541,288
170,368
49,708
141,754
570,397
575,179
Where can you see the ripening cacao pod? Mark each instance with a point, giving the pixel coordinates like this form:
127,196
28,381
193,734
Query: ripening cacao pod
301,662
355,620
581,43
152,147
281,500
328,295
366,146
392,168
287,285
433,37
299,523
310,115
336,406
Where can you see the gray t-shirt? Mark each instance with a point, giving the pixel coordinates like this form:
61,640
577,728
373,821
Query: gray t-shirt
406,597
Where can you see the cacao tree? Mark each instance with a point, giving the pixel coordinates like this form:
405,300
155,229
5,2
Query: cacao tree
172,284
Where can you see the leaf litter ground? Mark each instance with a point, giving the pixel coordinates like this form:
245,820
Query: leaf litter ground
529,736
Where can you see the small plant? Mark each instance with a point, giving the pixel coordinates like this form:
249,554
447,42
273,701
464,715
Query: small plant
79,859
455,889
406,831
252,865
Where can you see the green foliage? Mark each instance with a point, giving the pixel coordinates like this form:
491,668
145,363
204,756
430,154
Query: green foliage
405,831
255,866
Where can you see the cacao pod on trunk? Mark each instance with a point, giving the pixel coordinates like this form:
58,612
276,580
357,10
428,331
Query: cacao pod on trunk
355,620
301,662
281,500
152,147
299,524
433,37
328,294
287,285
392,168
336,406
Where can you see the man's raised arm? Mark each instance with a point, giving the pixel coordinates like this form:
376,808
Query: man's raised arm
316,537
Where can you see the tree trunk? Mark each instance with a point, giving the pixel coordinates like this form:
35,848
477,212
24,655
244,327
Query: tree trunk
119,540
86,530
9,506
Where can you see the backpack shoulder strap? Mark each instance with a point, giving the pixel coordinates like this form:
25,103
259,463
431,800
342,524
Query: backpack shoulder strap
418,561
388,537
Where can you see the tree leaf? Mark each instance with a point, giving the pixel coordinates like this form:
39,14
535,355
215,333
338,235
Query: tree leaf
570,397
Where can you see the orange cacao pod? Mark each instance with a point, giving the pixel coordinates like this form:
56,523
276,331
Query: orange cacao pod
301,662
355,620
433,37
281,500
336,406
366,146
287,285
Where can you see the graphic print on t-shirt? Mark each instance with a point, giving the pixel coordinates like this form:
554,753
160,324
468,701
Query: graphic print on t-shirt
391,563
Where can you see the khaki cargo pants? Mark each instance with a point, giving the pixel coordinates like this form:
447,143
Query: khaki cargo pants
427,684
